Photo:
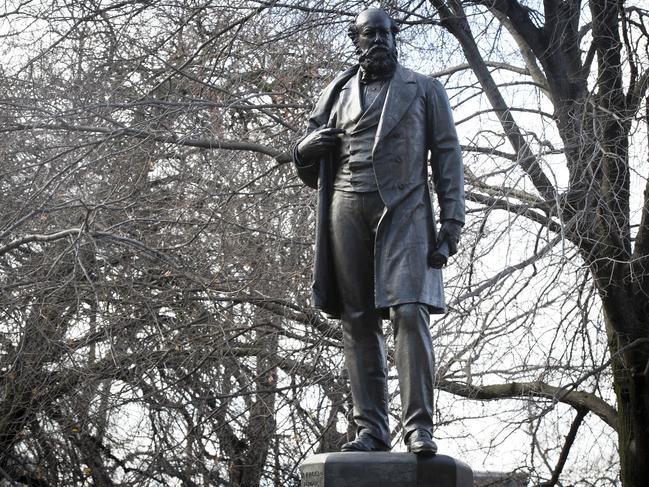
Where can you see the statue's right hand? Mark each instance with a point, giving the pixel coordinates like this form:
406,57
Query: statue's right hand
319,142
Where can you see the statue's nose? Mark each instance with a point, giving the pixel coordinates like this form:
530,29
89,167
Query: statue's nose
380,40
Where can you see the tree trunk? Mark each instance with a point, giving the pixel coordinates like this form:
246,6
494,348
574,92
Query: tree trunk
630,379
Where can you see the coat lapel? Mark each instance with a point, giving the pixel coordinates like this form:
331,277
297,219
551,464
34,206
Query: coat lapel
322,111
372,113
350,101
401,93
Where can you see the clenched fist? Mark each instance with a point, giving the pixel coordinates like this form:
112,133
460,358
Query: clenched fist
446,245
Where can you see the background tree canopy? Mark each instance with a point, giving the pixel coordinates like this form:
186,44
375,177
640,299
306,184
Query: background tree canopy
156,245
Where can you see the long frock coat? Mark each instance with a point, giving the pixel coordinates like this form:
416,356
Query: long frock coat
416,122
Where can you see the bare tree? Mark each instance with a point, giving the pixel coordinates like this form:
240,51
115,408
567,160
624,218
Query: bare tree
155,244
591,66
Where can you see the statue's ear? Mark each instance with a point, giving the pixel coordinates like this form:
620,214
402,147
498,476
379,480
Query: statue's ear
394,27
352,32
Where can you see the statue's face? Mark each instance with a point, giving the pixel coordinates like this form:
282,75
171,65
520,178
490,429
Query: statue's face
373,27
375,42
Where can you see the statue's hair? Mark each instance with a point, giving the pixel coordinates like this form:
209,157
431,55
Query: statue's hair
352,31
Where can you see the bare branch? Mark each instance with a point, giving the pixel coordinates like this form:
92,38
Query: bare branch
577,399
39,238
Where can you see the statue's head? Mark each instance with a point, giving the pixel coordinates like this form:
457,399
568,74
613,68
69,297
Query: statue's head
373,33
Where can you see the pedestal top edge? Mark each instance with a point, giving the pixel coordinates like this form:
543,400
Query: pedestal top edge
377,457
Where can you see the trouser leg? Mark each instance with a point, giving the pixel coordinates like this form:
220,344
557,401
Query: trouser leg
415,365
354,218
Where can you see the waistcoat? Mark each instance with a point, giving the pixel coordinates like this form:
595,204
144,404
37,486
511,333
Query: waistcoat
356,172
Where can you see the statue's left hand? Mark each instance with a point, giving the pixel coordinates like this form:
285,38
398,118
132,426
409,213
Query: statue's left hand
450,232
446,245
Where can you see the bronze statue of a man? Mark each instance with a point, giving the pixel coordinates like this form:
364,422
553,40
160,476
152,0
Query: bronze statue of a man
377,252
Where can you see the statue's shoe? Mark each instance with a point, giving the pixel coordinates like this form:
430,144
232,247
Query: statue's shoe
421,442
365,442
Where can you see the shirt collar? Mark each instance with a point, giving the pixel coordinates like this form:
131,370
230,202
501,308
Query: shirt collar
366,78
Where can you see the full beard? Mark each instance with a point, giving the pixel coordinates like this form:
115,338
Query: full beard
379,61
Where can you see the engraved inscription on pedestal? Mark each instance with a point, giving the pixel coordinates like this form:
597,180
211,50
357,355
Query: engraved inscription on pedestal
312,478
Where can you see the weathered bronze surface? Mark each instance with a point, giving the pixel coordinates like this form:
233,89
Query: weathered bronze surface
366,151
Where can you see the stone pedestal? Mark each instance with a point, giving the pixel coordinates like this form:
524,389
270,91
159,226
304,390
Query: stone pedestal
378,469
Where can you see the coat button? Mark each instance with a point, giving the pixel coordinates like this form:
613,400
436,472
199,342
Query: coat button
401,185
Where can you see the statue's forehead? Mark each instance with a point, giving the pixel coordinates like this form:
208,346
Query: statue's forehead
374,18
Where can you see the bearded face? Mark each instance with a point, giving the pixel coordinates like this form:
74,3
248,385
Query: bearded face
379,60
373,35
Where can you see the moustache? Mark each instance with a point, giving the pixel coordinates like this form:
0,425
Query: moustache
375,53
376,49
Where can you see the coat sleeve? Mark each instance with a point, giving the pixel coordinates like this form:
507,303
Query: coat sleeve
446,156
307,170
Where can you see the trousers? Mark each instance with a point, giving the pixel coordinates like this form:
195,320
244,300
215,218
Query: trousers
353,223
